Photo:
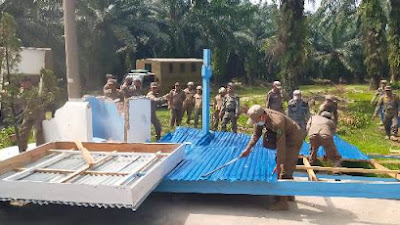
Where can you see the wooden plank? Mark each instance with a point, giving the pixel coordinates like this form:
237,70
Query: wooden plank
377,165
389,162
311,173
42,164
85,153
347,170
46,170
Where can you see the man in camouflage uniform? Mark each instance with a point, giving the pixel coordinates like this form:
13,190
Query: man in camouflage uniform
198,99
390,105
217,106
155,101
110,89
298,110
274,99
321,130
378,94
188,104
230,109
110,76
282,134
329,105
175,104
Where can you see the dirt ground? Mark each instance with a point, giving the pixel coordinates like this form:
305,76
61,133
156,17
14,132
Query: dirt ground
185,209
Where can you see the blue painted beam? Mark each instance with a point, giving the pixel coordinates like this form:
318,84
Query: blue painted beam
389,190
206,73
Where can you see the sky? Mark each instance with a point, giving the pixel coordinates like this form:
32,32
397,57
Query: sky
308,6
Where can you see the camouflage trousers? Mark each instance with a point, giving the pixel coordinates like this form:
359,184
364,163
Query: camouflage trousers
331,153
157,125
229,117
176,117
197,115
216,120
32,120
390,122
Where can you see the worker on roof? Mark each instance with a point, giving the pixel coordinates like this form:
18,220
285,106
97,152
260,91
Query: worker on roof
299,110
321,130
153,95
378,94
329,105
274,99
175,103
110,89
390,105
230,109
188,104
217,106
281,133
198,99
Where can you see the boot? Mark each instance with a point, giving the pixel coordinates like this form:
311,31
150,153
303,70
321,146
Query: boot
281,204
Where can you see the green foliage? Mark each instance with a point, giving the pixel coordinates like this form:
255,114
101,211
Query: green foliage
373,24
394,39
5,134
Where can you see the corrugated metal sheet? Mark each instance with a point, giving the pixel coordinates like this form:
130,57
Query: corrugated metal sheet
345,149
209,152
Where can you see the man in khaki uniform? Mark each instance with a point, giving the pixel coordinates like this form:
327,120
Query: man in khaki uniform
230,109
127,90
298,110
274,99
389,102
138,91
198,99
329,105
282,133
188,104
110,89
217,106
321,130
175,103
155,101
378,94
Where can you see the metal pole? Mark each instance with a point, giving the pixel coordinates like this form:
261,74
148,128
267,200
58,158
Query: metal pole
206,73
71,51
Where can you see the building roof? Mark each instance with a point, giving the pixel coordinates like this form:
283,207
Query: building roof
207,152
174,60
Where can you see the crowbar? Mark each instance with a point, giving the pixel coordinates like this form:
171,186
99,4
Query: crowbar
225,165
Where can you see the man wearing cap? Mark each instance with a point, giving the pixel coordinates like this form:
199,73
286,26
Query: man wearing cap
188,104
109,76
153,95
282,134
175,103
321,130
198,99
329,105
299,110
230,109
217,106
274,99
390,105
110,89
378,94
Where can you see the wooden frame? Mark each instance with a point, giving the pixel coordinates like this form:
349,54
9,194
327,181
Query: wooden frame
129,189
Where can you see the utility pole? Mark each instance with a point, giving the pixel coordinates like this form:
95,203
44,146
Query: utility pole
71,51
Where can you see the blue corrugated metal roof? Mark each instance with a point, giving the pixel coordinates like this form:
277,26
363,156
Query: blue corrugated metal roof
345,149
208,152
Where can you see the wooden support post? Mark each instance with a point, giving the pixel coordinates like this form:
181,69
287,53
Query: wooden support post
311,173
377,165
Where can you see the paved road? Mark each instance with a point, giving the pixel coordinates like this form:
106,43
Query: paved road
185,209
